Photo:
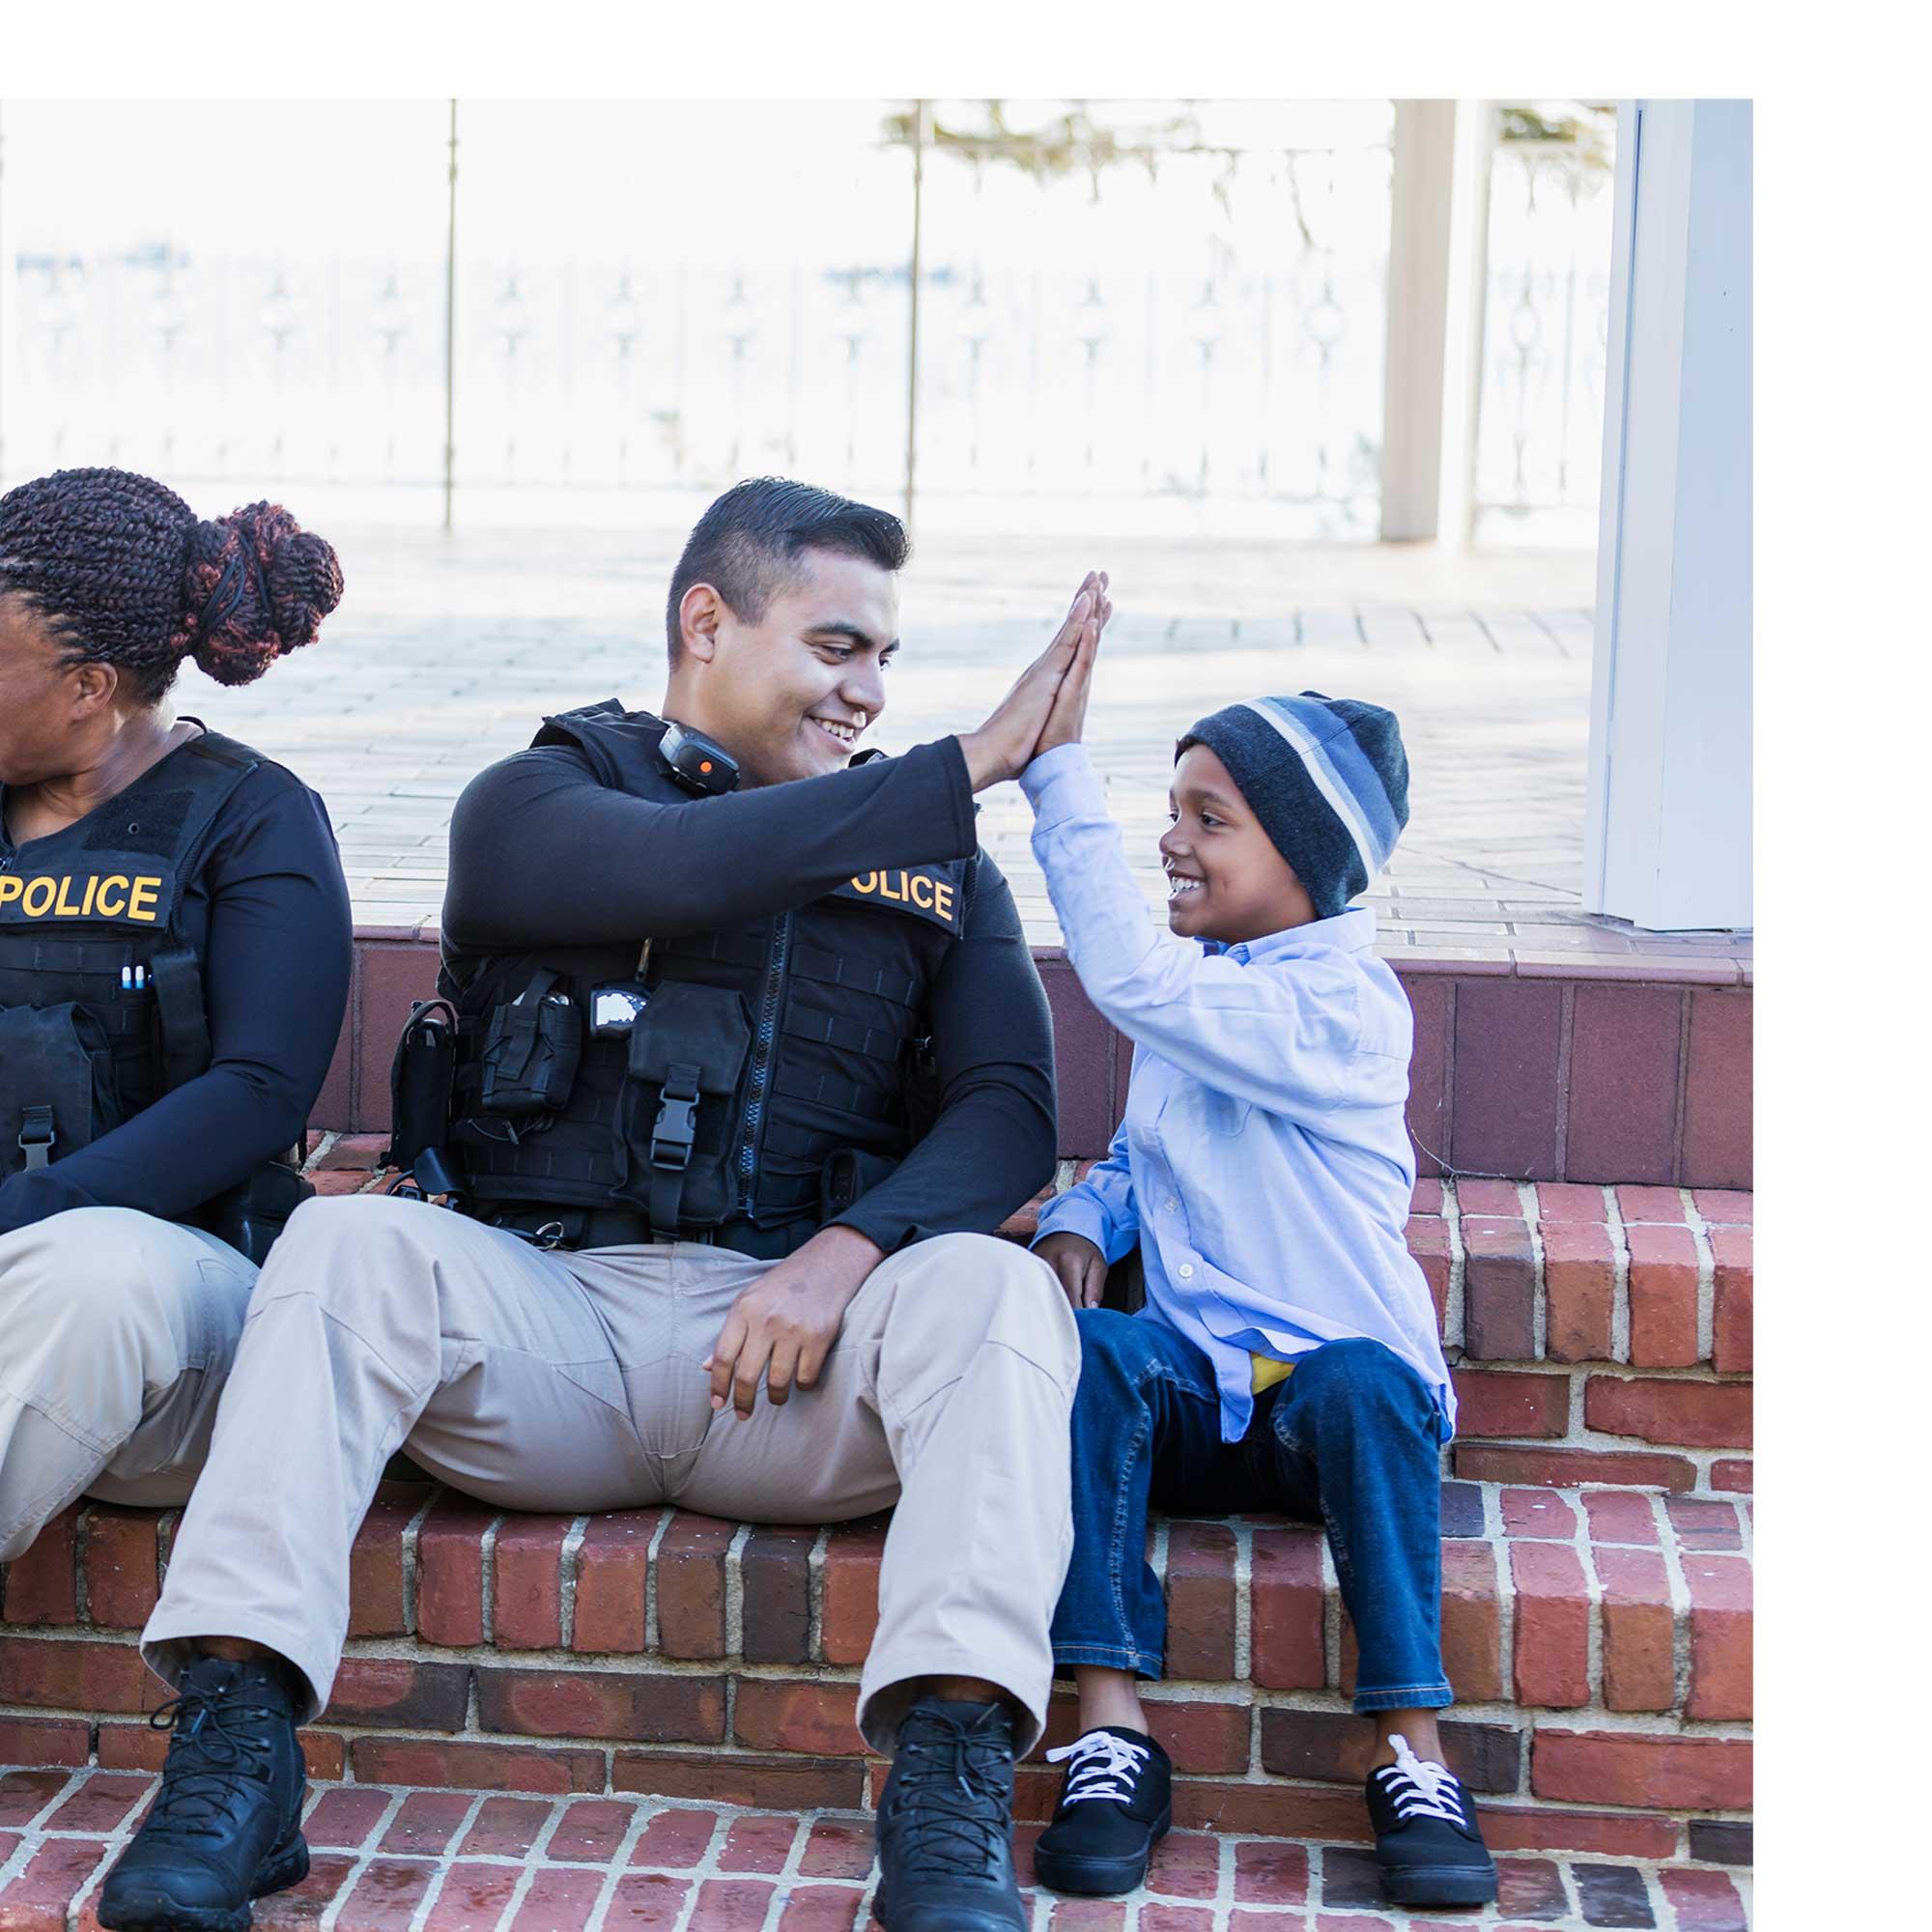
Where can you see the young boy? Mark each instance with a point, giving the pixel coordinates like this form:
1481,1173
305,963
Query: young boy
1287,1357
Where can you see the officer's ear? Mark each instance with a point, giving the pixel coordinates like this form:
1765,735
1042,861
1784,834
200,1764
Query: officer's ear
93,686
699,611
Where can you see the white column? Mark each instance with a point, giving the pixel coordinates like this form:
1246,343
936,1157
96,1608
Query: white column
1438,216
1668,840
1418,313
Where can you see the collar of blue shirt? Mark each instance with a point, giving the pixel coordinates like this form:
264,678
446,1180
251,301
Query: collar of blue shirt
1350,931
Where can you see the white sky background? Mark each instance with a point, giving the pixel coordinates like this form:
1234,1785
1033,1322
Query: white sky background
599,205
708,181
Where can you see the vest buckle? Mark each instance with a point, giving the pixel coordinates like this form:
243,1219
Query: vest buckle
37,1134
675,1131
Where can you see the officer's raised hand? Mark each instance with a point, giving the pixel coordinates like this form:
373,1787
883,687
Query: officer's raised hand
1003,747
783,1325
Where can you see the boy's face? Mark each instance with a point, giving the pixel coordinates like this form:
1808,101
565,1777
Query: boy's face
1226,880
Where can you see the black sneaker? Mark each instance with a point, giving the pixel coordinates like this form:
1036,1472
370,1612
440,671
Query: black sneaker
1429,1848
1115,1807
946,1823
226,1823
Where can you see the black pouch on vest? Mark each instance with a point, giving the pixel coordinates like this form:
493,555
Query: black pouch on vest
421,1078
849,1174
675,1117
56,1084
250,1214
531,1051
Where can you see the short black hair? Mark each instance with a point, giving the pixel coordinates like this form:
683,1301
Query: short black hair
746,545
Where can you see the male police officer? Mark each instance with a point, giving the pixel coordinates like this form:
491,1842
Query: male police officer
770,1150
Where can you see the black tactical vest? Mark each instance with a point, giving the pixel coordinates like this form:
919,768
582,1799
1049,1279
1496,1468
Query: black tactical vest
100,988
741,1086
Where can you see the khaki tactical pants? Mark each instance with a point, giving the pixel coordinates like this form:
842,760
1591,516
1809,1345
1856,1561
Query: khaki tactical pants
116,1333
570,1381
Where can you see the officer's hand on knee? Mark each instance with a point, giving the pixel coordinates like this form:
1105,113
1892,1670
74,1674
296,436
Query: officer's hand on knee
1081,1266
782,1326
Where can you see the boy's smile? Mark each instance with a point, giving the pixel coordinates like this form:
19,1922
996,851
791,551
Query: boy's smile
1226,880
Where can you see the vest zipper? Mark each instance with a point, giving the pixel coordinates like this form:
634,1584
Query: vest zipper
762,1051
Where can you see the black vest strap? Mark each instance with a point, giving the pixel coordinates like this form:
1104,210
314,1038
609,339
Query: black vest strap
186,1049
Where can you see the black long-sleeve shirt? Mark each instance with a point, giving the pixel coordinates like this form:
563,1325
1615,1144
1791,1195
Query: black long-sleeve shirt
542,853
268,914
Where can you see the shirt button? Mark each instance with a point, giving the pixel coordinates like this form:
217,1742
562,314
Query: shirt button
1186,1270
1170,1204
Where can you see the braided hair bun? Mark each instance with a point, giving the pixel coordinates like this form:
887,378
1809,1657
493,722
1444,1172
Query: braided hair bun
257,586
122,572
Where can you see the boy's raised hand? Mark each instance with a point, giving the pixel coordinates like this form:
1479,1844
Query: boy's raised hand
1067,720
1081,1266
1005,745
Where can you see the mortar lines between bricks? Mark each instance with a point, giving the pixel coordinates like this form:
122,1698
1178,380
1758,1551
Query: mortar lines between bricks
734,1590
1539,1297
651,1582
1706,1276
785,1883
360,1861
1454,1319
1497,1542
566,1587
440,1875
1593,1584
1680,1603
1620,1292
412,1572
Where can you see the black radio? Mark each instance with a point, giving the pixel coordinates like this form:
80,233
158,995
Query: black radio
699,764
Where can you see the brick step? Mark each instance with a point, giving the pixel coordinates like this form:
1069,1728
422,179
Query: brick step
1599,1640
386,1857
1581,1068
1547,1311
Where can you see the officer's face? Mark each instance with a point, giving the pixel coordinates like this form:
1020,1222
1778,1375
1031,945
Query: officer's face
37,699
790,695
1226,879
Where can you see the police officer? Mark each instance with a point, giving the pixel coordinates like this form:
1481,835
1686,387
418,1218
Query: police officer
174,966
751,1059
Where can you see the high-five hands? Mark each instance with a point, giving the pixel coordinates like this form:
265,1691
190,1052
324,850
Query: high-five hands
1066,718
1007,741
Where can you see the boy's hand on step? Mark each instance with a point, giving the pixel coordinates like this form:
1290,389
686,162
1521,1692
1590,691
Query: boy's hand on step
1081,1267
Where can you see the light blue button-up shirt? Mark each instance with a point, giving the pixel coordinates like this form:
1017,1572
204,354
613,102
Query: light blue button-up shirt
1264,1165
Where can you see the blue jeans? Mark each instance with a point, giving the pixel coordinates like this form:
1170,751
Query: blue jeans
1348,1440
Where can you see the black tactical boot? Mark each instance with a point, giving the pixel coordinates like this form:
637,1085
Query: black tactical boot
946,1823
225,1827
1429,1848
1115,1807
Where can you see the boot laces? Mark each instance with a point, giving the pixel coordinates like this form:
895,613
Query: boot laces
1421,1788
1103,1765
954,1801
208,1763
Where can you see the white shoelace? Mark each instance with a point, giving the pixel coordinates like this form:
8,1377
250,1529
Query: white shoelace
1103,1765
1421,1788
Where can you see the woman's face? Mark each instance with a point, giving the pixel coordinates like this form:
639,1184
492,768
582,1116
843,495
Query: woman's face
43,708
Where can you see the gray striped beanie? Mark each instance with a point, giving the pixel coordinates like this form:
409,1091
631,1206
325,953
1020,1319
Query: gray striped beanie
1326,777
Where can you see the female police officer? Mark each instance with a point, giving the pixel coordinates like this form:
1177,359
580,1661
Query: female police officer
174,966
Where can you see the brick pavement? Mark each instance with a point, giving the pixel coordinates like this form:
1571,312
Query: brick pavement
395,1859
447,650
